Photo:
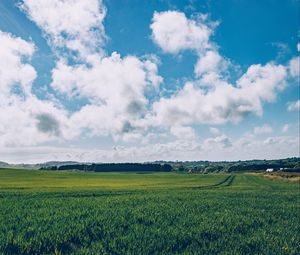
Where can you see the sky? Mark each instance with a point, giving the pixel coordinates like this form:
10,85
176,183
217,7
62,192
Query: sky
146,80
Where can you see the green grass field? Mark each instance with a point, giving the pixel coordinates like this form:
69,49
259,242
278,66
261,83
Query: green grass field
68,212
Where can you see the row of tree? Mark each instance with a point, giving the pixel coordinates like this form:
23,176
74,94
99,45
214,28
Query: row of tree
287,165
114,167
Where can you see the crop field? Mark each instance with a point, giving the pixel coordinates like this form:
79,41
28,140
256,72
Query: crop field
71,212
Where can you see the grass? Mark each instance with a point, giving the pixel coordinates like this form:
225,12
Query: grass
67,180
287,176
43,212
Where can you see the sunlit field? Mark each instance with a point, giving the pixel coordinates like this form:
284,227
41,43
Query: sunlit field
72,212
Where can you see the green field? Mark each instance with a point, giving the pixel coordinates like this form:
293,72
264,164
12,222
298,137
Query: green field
69,212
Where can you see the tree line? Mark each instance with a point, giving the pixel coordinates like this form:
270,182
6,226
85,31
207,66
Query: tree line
114,167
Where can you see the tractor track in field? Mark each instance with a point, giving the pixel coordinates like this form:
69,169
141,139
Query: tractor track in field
224,183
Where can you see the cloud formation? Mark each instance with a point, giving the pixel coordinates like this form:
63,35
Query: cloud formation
220,148
122,97
74,24
174,32
210,98
294,106
114,86
221,141
294,67
285,128
264,129
225,102
14,68
183,133
20,109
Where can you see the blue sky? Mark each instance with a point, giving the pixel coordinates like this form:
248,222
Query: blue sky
151,80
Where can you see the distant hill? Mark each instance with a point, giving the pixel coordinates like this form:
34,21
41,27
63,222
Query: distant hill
37,166
57,163
3,164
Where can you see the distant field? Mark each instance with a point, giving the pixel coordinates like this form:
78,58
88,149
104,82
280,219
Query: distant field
71,212
52,180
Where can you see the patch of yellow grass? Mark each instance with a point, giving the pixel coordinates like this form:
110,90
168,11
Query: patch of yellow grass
283,176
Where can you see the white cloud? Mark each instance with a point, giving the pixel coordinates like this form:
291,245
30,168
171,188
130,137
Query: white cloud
183,133
211,69
294,106
24,119
210,62
298,47
173,32
294,67
280,140
221,141
210,149
210,99
264,129
112,79
269,148
32,121
225,102
214,131
75,24
14,69
263,82
115,88
105,121
285,128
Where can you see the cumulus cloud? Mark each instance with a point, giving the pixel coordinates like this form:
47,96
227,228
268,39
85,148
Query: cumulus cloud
214,131
224,103
294,67
24,122
183,133
75,24
116,86
115,89
173,32
210,62
221,141
21,121
279,140
113,86
112,79
285,128
210,99
294,106
14,68
264,129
